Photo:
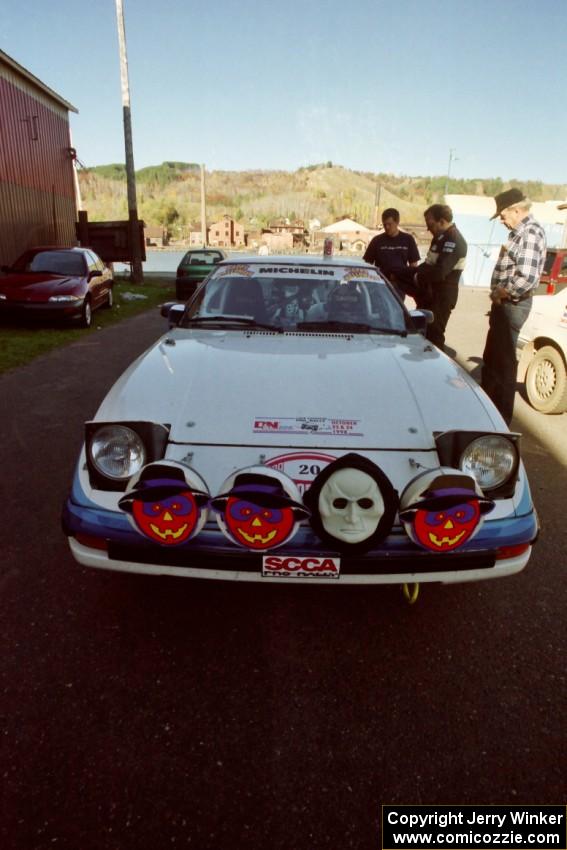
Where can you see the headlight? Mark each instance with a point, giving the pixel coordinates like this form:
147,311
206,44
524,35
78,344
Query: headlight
65,298
117,452
2,297
490,459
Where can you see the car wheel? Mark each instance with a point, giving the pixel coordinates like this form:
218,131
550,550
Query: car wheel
546,381
86,314
109,299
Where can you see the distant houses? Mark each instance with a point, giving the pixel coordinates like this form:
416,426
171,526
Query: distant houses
283,235
155,236
225,233
346,234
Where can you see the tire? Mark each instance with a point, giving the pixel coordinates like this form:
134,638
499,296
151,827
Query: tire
86,314
109,299
546,381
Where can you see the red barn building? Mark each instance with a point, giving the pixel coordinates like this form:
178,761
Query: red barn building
37,188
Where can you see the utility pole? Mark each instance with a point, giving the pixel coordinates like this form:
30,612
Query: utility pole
203,208
452,158
137,271
377,205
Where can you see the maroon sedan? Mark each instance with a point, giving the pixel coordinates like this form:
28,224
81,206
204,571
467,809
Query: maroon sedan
56,282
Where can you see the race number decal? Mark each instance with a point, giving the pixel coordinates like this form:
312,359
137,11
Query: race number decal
301,467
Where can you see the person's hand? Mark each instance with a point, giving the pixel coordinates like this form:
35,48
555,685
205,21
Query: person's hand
498,295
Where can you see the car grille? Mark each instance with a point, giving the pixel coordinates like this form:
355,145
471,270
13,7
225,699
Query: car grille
252,562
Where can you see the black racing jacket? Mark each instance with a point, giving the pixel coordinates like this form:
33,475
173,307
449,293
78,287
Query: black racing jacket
445,259
443,266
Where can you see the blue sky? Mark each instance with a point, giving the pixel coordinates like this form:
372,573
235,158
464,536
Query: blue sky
371,85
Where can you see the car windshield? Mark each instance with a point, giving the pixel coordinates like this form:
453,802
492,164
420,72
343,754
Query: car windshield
201,258
56,262
293,298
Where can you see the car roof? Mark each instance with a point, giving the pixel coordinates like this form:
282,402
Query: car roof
296,259
74,248
200,250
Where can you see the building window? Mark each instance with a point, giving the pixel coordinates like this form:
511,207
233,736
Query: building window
33,127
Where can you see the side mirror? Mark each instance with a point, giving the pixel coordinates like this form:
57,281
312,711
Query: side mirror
420,319
94,273
172,311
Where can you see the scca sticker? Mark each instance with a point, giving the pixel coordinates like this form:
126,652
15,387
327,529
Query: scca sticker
281,566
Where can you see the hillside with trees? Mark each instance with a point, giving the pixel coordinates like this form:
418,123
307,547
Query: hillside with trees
169,195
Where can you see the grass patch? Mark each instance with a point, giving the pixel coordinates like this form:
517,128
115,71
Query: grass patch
21,343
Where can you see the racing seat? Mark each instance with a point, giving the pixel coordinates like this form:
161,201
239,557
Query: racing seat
244,297
349,302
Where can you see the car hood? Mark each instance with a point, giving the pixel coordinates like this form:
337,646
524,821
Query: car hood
36,286
238,388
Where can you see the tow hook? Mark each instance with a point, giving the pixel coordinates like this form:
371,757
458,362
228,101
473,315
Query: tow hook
411,592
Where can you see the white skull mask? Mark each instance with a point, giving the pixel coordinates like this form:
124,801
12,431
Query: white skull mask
350,505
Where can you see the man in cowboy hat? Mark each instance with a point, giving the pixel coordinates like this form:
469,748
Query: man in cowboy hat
514,279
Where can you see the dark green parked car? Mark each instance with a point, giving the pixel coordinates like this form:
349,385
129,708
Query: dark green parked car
193,268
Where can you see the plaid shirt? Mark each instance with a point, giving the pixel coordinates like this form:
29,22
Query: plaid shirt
520,264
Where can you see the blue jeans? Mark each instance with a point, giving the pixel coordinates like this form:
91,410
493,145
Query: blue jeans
500,364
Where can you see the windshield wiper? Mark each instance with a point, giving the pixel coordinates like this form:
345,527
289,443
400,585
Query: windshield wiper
247,321
347,327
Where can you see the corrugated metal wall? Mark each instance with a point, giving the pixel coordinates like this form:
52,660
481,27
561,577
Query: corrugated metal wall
37,201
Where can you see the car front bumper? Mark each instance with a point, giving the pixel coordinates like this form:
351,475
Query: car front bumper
41,309
104,539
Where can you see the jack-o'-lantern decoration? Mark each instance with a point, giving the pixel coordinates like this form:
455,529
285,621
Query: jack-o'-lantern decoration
353,504
442,509
166,502
259,508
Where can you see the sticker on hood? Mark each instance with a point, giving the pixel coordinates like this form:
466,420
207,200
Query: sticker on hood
325,426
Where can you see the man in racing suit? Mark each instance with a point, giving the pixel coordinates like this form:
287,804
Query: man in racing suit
435,283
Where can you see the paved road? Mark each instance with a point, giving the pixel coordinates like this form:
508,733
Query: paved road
147,713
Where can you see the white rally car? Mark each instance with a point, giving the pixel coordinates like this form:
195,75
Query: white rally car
293,425
543,353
